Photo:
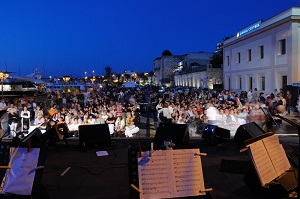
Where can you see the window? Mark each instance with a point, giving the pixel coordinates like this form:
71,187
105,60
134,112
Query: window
263,83
249,54
284,81
227,59
240,83
239,58
261,52
282,47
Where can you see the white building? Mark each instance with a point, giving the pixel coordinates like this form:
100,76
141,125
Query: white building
201,77
195,71
264,55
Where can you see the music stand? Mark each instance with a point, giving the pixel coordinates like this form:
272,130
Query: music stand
269,118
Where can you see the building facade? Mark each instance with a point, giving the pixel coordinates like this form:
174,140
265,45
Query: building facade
264,55
195,71
163,68
201,77
184,70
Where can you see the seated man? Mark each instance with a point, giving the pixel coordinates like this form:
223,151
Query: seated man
43,124
111,123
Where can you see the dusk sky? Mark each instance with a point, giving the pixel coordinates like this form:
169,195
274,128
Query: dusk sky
61,37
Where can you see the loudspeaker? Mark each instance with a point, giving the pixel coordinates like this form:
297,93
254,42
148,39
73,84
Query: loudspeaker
215,134
245,132
178,133
37,139
94,135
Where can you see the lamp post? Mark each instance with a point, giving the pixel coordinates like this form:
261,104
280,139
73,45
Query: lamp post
85,77
3,77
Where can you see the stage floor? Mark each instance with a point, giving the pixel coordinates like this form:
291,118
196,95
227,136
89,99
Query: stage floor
71,173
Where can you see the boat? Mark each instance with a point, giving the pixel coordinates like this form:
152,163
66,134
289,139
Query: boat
59,86
17,87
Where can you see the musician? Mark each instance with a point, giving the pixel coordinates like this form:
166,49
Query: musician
51,133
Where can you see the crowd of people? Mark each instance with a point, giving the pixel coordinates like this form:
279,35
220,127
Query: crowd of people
120,108
222,108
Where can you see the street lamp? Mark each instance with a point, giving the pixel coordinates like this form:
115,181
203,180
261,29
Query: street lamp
93,79
66,79
3,77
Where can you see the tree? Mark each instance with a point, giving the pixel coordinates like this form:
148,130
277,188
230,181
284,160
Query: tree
166,53
217,59
108,71
127,77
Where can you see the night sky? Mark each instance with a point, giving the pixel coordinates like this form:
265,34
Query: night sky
64,37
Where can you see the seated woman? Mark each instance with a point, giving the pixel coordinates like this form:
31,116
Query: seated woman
119,126
130,127
91,119
73,127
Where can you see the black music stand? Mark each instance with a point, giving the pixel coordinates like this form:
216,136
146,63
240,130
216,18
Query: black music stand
269,118
277,188
34,139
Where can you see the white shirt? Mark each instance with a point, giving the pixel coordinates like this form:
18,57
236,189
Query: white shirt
212,113
2,105
73,127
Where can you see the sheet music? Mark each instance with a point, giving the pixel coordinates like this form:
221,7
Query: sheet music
170,173
187,175
262,162
19,179
277,154
154,175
